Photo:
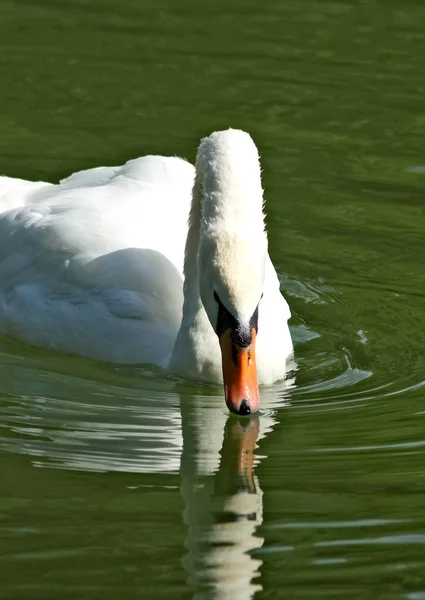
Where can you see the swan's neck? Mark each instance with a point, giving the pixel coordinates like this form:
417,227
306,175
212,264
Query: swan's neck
226,243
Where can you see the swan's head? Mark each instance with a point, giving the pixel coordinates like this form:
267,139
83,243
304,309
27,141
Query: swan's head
232,257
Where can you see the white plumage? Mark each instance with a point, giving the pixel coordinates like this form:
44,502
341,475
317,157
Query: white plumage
94,265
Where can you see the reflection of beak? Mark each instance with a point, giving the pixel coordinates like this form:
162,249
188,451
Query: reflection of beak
236,471
239,374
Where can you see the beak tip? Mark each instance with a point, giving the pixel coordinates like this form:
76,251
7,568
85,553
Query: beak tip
243,409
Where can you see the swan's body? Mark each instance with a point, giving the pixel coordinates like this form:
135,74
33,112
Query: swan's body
95,265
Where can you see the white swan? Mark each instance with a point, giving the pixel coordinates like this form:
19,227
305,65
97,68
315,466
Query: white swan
95,266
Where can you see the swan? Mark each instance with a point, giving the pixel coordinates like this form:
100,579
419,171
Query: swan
155,261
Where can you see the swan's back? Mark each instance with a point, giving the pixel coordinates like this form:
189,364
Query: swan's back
93,265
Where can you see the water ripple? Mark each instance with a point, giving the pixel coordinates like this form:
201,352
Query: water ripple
390,539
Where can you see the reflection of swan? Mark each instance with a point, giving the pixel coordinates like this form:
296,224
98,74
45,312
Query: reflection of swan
223,502
94,266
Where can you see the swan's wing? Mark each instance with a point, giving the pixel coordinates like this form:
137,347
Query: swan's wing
93,265
143,204
159,171
90,177
15,193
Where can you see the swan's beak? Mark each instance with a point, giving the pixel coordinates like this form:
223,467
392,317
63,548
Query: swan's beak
239,374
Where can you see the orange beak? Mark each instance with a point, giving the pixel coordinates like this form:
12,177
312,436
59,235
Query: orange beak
239,374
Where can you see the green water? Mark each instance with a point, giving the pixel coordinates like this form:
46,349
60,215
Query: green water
118,482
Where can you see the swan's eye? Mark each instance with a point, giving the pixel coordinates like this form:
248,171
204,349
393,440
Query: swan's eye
241,335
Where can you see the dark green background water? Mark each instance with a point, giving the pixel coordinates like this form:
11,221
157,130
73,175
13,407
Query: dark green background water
112,480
